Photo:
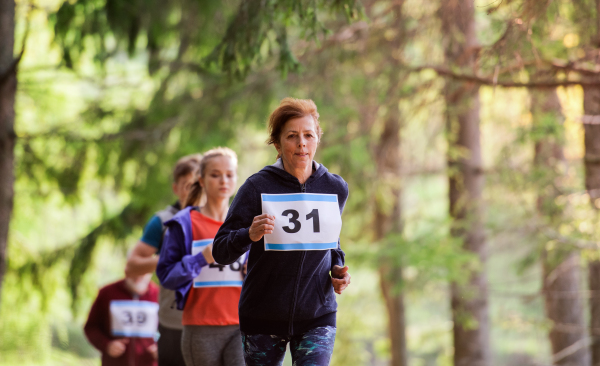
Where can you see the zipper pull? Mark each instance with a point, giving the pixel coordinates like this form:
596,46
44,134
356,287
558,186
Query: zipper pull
303,187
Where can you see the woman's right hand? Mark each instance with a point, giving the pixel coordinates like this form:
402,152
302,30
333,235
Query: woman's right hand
207,253
261,225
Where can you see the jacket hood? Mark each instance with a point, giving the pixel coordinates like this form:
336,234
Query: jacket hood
276,170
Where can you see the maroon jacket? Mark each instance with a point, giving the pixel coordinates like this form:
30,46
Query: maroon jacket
98,332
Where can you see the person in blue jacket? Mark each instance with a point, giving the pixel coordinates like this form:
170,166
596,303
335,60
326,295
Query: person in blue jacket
287,295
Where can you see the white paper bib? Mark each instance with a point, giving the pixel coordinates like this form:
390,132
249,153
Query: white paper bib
132,318
303,221
218,275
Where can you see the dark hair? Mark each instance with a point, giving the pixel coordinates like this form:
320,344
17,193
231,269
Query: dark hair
186,165
193,198
288,109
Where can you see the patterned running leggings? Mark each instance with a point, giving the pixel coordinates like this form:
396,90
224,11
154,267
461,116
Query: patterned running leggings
313,348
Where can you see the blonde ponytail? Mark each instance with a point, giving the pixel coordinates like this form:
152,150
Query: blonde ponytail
195,196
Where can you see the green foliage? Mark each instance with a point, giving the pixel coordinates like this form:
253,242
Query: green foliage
259,27
144,83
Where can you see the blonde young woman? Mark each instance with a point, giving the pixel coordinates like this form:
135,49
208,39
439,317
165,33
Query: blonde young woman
207,292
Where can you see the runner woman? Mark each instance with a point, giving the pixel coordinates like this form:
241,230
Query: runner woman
207,292
289,216
143,260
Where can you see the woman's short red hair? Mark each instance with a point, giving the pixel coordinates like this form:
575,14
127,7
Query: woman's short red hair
288,109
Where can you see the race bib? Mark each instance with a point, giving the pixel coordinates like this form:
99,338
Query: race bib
303,221
218,275
131,318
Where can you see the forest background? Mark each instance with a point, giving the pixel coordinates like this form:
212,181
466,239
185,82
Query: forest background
468,133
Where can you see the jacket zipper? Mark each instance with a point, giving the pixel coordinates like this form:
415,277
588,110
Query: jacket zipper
299,275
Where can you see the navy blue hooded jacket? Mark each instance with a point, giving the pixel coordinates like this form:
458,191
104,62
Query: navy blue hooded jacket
285,292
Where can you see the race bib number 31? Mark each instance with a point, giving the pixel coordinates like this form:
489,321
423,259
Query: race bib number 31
215,274
303,221
131,318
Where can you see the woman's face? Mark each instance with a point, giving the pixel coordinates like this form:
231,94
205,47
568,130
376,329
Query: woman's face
298,143
219,178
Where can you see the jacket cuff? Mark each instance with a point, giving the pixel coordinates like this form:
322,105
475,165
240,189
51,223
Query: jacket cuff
337,262
242,237
200,260
194,263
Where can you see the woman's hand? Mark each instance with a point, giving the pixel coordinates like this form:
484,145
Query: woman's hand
261,225
340,278
207,253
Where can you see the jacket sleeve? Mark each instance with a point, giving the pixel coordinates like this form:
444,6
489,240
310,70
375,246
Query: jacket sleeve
94,328
176,268
233,238
338,255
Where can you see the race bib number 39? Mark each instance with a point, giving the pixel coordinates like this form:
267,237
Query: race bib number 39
303,221
131,318
215,274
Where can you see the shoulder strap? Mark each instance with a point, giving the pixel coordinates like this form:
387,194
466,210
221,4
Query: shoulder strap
166,214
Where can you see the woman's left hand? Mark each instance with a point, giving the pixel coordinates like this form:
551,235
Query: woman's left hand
340,278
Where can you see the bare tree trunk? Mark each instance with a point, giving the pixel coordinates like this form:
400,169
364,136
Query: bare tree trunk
8,87
594,286
591,107
561,269
469,299
389,222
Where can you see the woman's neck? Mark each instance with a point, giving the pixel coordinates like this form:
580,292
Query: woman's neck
301,174
216,209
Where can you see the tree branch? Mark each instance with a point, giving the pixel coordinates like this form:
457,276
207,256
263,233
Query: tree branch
132,135
441,71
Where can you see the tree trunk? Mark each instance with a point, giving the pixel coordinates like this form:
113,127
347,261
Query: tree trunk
561,269
469,298
8,87
591,107
389,222
388,218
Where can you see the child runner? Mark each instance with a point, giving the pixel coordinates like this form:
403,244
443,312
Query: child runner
123,347
143,260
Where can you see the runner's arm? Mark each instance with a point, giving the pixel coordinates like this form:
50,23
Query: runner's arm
176,267
233,238
338,257
142,260
94,326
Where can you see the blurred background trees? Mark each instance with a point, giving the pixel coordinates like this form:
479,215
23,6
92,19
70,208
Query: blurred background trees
467,131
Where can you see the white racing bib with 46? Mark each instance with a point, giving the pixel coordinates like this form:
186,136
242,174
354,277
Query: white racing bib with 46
215,274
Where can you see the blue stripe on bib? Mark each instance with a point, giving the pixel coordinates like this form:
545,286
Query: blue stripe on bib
218,283
299,197
302,246
135,303
124,333
201,243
